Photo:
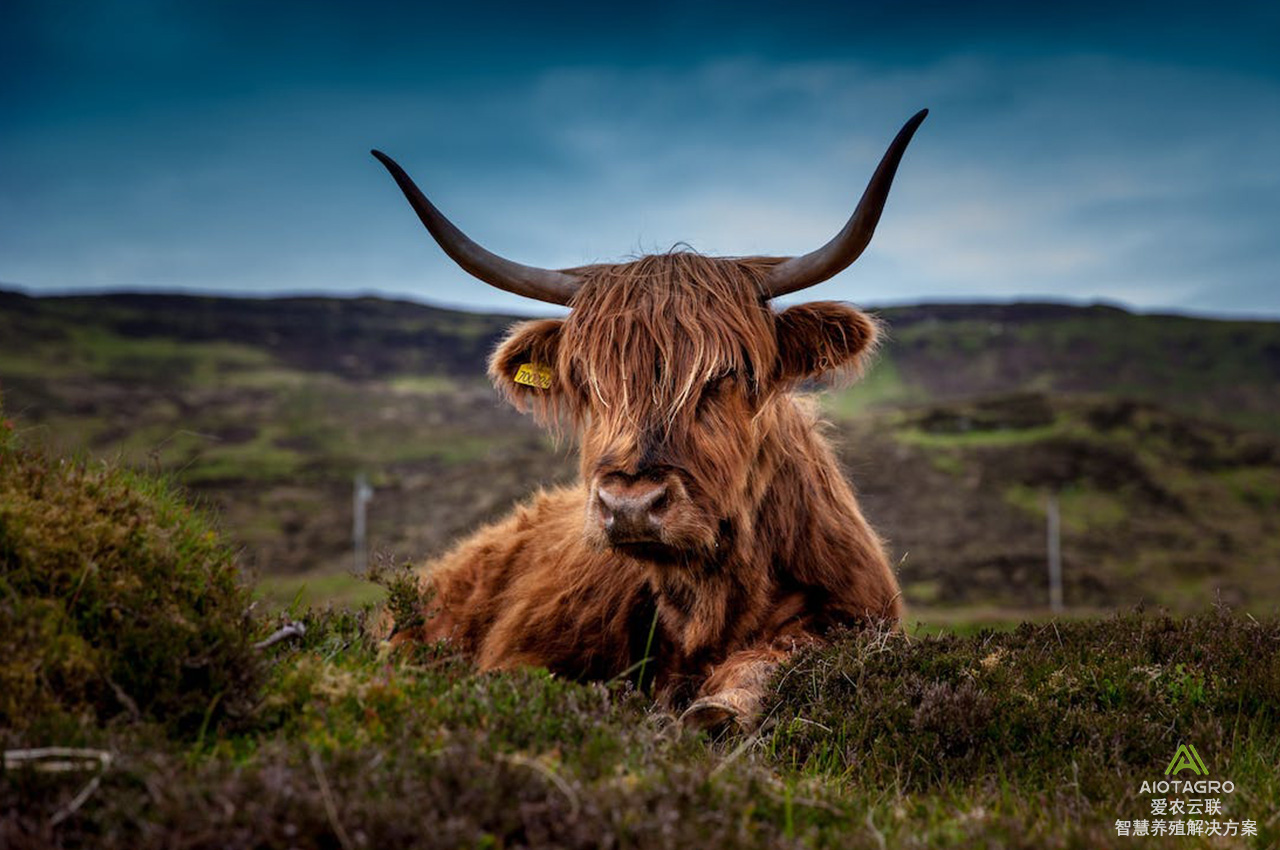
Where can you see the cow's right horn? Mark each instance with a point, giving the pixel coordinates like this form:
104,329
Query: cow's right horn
543,284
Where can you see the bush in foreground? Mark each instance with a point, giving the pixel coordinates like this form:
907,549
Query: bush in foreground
116,599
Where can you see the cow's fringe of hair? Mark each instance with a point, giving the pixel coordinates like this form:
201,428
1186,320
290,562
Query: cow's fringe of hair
639,344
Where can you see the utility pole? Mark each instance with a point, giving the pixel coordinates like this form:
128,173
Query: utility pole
360,507
1055,552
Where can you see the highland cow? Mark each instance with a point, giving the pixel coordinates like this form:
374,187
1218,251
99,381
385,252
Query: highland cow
711,533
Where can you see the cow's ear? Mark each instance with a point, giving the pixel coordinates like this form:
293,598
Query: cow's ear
824,339
523,366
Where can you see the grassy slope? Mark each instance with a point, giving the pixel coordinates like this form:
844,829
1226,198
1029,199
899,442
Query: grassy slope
1155,507
1223,370
268,408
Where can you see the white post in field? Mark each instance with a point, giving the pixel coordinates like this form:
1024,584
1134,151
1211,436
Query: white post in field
360,507
1055,553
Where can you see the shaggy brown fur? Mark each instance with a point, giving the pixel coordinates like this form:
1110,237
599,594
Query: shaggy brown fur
673,372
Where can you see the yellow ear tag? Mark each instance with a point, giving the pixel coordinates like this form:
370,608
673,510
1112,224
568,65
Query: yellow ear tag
534,375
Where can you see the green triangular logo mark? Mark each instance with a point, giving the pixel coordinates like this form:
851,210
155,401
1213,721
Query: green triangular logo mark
1186,757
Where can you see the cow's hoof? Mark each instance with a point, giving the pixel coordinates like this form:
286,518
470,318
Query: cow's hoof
732,708
709,714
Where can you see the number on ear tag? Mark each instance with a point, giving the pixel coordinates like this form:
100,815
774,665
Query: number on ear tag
534,375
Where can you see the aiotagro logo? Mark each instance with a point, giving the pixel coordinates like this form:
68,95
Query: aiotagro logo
1186,758
1187,807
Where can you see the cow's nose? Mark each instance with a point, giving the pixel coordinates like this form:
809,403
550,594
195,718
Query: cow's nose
631,511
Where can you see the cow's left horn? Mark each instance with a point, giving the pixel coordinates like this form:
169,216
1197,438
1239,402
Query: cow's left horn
543,284
838,254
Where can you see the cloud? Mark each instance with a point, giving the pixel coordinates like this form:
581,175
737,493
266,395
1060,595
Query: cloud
1060,176
1083,177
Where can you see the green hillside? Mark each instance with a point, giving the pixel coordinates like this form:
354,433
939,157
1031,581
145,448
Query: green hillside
1158,433
128,630
1223,370
1155,507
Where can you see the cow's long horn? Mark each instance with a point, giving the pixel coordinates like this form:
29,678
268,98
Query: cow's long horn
838,254
543,284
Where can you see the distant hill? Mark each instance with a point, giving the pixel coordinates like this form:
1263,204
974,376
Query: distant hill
354,338
1226,370
1160,433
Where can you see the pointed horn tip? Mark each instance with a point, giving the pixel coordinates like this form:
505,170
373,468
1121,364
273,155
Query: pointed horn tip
392,166
388,163
916,120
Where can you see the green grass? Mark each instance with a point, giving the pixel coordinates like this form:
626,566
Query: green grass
926,618
1081,509
1039,735
1220,370
1072,715
100,353
977,438
425,385
990,726
882,386
1259,487
339,589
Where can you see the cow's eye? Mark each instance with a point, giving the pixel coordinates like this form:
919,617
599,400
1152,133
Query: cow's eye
578,381
715,388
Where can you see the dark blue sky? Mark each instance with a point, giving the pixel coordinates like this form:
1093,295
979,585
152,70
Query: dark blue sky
1074,151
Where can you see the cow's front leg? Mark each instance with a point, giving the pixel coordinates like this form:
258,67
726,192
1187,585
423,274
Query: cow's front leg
734,692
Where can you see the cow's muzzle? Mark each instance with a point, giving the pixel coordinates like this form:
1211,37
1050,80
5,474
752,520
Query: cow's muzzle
632,509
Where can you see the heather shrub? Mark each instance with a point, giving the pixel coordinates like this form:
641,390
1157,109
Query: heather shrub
117,600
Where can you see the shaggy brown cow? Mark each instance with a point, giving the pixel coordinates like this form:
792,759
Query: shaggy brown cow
712,527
